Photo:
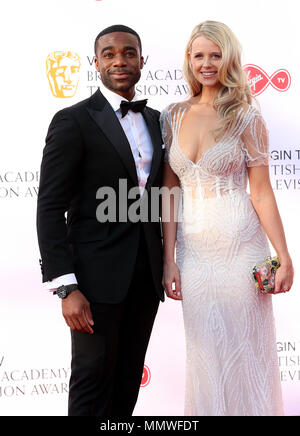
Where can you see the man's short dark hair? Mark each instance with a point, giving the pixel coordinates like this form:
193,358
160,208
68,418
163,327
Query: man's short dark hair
117,28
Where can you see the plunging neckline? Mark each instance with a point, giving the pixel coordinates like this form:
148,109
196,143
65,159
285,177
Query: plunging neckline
177,140
203,154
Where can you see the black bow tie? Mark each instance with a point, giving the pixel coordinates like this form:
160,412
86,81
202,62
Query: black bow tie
135,106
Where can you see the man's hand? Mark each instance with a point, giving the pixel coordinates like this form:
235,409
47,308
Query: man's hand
77,313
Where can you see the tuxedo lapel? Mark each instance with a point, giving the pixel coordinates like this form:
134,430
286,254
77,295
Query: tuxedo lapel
105,117
156,139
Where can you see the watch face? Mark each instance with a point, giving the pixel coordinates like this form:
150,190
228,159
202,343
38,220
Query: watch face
62,292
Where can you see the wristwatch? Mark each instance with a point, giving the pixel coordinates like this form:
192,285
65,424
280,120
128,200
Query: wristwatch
64,290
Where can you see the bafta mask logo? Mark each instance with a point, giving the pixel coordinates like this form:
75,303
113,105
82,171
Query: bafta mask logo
63,73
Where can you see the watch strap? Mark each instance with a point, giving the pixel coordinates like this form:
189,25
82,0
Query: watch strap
68,288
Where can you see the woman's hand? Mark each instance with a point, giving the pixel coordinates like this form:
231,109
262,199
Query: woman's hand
284,278
171,275
264,203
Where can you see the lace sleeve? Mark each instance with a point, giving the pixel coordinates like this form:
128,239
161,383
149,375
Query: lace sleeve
166,130
256,142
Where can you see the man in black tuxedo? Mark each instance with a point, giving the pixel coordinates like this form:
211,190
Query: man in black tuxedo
108,273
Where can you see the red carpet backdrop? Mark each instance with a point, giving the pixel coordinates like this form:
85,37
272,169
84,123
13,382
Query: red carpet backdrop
47,64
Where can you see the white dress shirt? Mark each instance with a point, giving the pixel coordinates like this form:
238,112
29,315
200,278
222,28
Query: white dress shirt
137,133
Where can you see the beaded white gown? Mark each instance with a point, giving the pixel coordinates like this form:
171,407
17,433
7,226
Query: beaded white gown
232,366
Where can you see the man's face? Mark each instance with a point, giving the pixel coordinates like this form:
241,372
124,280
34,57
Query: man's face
119,62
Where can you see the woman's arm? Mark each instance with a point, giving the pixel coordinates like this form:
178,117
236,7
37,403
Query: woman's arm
170,199
264,203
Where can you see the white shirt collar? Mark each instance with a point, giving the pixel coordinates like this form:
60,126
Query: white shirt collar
113,99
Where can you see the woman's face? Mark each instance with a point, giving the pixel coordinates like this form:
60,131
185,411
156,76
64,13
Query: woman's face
205,60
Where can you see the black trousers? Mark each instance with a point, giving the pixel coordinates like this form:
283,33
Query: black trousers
107,366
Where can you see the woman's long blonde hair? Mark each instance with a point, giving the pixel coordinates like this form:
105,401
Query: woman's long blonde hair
234,91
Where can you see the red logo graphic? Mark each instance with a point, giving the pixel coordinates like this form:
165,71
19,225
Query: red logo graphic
146,377
259,80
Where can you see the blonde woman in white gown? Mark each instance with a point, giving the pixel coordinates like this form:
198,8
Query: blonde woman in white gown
215,143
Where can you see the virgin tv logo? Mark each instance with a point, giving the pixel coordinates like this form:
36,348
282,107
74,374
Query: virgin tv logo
146,377
259,80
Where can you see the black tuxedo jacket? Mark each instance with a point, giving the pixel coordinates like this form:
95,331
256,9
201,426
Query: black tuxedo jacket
86,149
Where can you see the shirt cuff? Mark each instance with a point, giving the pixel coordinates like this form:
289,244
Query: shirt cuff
67,279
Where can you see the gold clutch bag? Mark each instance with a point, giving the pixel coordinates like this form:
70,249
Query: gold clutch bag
264,274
